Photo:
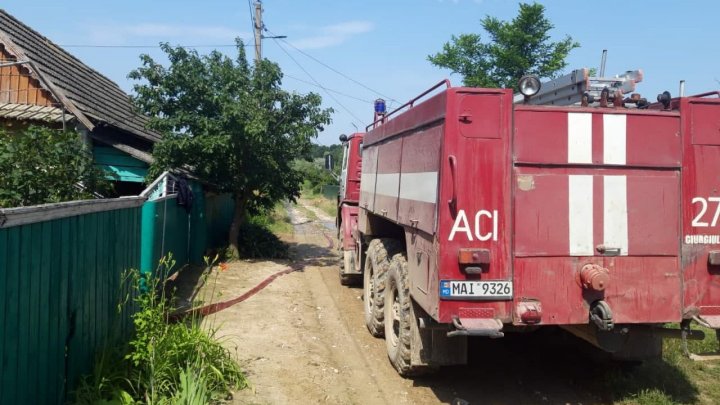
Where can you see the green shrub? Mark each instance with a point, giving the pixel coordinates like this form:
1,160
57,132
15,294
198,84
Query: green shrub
42,165
314,176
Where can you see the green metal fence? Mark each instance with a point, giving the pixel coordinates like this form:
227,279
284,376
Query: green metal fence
60,279
169,228
60,273
165,229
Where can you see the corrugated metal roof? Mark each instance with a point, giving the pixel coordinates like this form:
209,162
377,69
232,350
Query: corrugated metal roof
33,112
93,94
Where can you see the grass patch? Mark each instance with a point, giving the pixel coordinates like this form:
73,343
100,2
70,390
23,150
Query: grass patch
307,213
326,205
276,220
165,362
258,235
673,380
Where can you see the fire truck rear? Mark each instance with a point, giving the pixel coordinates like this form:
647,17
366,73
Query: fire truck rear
474,212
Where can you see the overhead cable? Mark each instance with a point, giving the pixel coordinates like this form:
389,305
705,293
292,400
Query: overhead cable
151,46
316,82
252,21
328,89
339,72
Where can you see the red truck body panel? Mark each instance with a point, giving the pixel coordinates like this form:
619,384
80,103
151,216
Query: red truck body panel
598,177
701,206
350,191
543,192
352,170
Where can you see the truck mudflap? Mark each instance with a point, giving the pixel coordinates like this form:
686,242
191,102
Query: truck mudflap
710,322
485,327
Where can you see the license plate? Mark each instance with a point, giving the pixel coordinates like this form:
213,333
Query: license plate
476,289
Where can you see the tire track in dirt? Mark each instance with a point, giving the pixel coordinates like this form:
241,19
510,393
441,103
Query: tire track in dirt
352,367
302,339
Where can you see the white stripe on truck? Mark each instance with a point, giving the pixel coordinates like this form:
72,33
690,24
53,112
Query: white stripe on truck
580,220
367,182
579,138
419,186
387,184
615,224
614,139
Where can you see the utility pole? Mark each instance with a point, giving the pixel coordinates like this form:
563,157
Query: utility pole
259,28
258,31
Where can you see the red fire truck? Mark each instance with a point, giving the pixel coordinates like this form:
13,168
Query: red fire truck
474,212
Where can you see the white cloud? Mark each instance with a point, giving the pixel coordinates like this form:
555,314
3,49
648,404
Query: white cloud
322,41
350,28
332,35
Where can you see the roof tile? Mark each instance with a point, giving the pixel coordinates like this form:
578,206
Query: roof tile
94,94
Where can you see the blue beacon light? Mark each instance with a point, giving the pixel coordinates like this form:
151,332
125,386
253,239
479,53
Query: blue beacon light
380,106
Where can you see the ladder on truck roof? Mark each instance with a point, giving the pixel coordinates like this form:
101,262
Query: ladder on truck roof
570,89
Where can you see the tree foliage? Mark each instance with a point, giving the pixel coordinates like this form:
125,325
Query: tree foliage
230,123
516,48
314,175
335,150
42,165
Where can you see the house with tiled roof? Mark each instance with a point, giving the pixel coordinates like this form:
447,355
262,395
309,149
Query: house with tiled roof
41,83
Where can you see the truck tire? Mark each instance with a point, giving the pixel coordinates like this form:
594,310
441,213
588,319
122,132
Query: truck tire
398,318
377,261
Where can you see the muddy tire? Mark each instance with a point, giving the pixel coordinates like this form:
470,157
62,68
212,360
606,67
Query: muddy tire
377,262
398,318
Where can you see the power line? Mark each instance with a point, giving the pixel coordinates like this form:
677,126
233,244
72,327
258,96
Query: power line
252,19
328,89
317,83
339,72
151,46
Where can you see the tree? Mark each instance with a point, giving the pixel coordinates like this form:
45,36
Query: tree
314,175
230,124
516,48
320,151
42,165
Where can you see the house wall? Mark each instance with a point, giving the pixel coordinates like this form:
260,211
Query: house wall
18,87
123,166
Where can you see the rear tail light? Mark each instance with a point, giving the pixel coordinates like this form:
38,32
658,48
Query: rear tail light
472,260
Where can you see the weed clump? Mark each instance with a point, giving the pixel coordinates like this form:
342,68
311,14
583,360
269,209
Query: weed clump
165,362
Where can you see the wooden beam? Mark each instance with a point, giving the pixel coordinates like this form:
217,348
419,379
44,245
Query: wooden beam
37,74
136,153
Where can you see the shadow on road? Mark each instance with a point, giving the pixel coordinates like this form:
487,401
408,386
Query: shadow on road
550,366
312,254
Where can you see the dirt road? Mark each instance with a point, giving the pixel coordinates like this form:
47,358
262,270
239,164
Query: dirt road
302,340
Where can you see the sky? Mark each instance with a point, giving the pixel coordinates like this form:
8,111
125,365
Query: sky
352,52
